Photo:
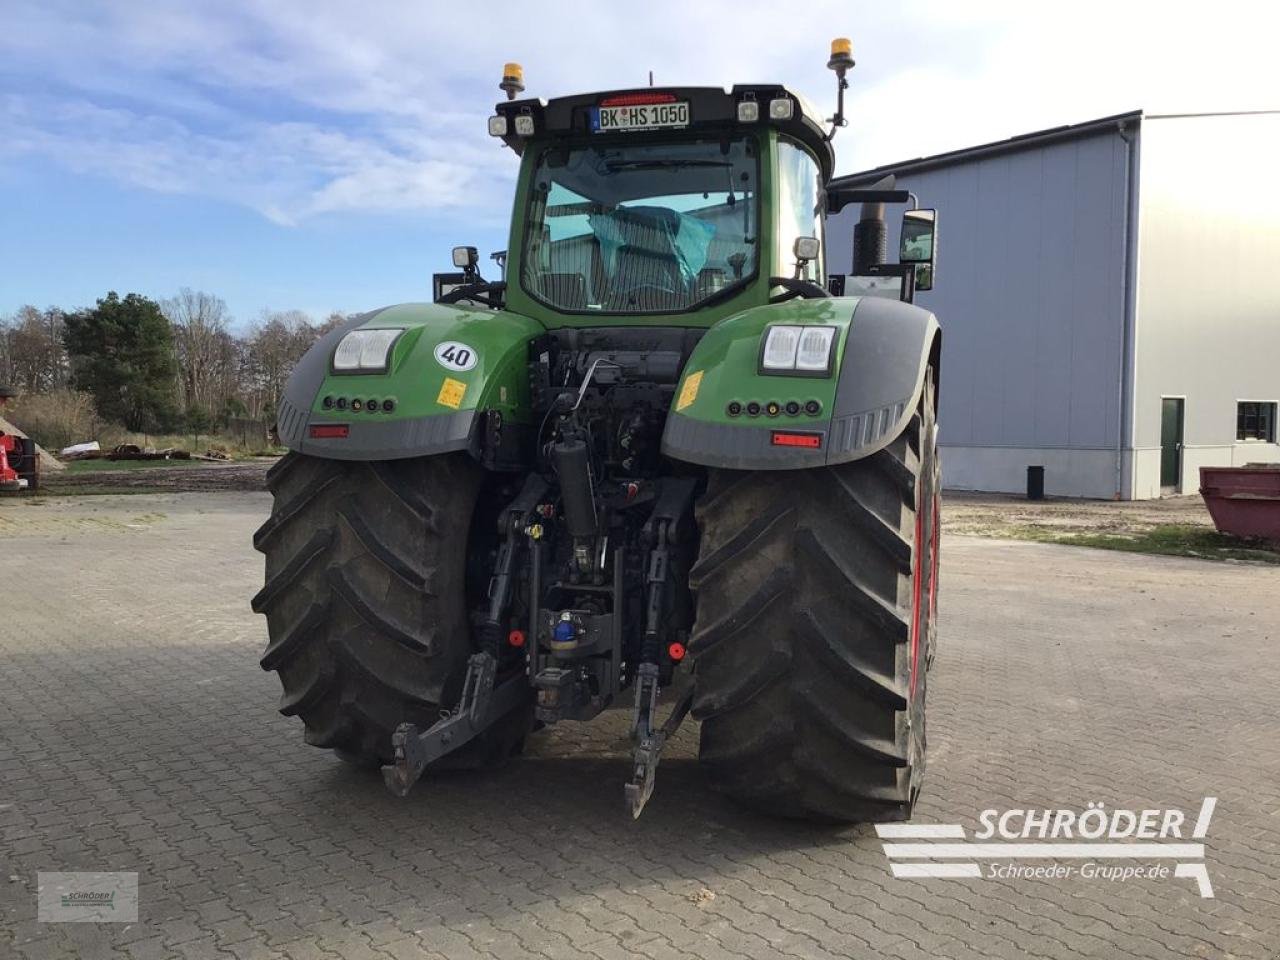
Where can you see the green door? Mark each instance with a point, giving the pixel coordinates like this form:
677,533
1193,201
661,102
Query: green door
1170,442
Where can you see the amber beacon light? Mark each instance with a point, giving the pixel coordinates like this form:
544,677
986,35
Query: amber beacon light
512,80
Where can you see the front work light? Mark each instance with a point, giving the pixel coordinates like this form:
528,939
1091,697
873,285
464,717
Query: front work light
524,125
365,351
748,111
498,126
800,351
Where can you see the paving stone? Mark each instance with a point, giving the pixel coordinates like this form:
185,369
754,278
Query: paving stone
138,733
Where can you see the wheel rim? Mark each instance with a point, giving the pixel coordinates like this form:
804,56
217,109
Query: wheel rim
924,599
934,536
917,589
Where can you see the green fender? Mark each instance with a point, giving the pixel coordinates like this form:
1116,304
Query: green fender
882,350
435,402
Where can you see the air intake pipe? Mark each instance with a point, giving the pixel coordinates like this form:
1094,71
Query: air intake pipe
870,238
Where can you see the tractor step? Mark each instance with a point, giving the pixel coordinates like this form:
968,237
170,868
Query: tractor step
481,705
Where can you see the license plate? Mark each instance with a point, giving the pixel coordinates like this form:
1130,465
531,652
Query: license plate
640,116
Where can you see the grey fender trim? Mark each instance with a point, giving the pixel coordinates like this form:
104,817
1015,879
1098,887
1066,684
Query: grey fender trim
885,357
379,440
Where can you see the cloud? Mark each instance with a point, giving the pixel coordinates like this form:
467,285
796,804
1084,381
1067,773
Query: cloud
294,116
305,109
287,171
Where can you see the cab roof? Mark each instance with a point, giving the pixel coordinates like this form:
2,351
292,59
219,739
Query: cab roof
710,108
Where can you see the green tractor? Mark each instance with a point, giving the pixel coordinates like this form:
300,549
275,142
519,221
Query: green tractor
665,450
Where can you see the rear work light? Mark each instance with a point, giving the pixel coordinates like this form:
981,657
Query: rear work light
811,441
330,431
637,99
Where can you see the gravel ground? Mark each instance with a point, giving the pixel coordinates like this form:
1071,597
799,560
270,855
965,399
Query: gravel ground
987,513
194,476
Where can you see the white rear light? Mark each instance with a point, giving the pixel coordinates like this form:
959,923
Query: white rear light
365,350
781,108
347,356
780,345
814,353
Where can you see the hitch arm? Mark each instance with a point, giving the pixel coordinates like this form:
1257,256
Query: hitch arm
481,705
664,528
649,751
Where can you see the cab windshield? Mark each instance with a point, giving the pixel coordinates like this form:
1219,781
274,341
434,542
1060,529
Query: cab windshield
643,228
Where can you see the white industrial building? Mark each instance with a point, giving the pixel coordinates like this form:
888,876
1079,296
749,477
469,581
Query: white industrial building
1109,295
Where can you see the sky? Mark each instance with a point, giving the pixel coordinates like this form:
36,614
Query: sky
314,155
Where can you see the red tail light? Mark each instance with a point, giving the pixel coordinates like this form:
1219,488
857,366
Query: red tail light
330,431
812,441
637,99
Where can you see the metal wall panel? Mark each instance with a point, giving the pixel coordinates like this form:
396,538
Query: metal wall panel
1029,293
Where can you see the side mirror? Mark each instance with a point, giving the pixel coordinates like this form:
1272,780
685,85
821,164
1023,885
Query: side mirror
919,244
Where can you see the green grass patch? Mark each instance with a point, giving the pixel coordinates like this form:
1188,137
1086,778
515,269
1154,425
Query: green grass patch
1170,540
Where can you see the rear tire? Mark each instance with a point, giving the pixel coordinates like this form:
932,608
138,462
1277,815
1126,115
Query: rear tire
365,599
814,627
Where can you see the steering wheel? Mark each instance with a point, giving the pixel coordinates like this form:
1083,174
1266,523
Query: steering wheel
797,288
630,295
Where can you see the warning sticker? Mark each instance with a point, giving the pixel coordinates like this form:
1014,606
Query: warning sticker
451,393
689,392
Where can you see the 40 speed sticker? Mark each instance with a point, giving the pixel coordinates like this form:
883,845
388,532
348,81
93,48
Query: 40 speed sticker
455,356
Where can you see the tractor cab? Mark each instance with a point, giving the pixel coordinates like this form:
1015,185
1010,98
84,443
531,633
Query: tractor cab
672,206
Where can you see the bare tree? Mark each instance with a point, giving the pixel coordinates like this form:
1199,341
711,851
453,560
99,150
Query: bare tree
275,344
32,356
334,320
205,349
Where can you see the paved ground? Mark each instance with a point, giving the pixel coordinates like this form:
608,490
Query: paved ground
137,733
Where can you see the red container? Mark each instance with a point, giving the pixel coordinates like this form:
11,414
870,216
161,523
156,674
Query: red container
1243,501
